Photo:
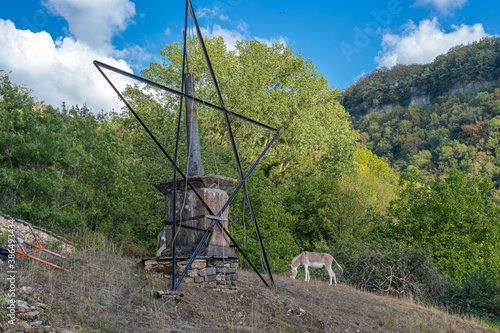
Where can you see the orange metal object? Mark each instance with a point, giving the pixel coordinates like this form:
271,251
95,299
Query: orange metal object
36,246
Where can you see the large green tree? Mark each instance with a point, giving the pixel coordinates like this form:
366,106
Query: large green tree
331,208
456,219
64,169
271,84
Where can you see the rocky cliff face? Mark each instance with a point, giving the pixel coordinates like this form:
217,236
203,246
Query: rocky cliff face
461,87
419,97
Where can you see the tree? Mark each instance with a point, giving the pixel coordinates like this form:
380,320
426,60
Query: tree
65,170
456,219
273,85
331,208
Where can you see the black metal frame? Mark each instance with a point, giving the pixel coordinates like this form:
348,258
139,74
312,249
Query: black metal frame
243,178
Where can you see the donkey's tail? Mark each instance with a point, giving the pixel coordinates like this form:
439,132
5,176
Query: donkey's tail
338,265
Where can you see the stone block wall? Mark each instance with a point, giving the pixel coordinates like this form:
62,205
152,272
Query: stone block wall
208,272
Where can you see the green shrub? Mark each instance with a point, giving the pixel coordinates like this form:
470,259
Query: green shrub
479,295
393,270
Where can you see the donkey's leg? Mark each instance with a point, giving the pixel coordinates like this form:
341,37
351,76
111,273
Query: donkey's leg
329,270
306,269
332,274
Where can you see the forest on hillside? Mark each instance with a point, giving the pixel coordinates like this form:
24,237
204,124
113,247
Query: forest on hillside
438,125
477,62
456,130
322,186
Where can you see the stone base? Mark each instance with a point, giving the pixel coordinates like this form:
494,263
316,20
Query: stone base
190,212
208,251
206,271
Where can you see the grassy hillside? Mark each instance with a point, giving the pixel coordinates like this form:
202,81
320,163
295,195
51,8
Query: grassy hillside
109,293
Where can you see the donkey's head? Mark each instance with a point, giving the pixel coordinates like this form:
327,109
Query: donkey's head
292,270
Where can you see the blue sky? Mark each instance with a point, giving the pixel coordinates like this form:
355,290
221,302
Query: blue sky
49,45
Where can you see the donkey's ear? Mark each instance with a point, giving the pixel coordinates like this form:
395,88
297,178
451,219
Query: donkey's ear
288,265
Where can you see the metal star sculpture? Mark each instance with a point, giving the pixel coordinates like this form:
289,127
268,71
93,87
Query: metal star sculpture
243,178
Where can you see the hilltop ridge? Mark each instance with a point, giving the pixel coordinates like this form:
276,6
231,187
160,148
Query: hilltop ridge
461,68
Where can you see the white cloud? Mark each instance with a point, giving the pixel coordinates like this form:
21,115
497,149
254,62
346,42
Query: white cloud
243,26
137,56
232,36
422,43
444,6
94,22
58,70
272,40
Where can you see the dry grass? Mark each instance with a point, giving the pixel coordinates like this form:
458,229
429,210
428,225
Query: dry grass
107,293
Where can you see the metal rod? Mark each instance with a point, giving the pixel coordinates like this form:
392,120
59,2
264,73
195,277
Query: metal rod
193,257
174,194
178,93
23,254
231,136
212,217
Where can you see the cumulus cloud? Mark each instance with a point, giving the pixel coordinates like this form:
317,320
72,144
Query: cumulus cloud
94,22
421,44
58,70
232,36
444,6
